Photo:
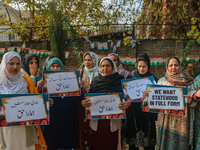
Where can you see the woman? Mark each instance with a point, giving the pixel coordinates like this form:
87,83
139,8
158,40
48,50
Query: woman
118,63
104,135
173,129
88,73
62,131
141,125
30,65
194,91
189,72
12,82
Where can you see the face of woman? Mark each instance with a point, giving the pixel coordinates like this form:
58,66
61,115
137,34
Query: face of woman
142,67
33,63
13,66
88,61
114,59
55,67
173,66
106,68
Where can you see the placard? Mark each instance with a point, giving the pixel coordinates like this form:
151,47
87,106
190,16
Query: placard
24,109
105,106
133,88
61,83
165,99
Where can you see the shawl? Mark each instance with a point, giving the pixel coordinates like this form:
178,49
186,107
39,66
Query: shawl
177,80
106,84
120,68
27,59
92,72
55,61
11,84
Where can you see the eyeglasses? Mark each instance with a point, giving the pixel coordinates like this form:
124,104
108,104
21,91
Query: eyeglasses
105,66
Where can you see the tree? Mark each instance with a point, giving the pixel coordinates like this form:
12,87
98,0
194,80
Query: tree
26,20
177,19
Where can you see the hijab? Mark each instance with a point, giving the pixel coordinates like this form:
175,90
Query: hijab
142,57
106,84
11,84
92,72
178,79
27,59
120,68
55,61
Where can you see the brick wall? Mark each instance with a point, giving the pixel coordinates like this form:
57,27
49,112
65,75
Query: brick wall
154,48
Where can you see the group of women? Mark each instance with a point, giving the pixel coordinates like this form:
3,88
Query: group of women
68,127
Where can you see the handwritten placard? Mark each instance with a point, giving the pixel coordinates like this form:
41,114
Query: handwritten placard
25,108
105,106
134,88
165,98
61,83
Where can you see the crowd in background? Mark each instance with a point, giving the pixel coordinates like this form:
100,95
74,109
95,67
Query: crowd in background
69,128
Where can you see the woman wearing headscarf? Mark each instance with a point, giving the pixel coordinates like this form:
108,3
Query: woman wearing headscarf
118,63
88,72
141,130
30,65
62,131
13,82
194,91
173,130
104,133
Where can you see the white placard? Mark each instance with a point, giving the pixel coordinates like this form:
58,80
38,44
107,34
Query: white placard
61,82
24,108
135,88
166,98
105,105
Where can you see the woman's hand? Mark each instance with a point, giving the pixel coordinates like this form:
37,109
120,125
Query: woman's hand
124,105
51,102
188,98
40,84
86,103
145,94
198,93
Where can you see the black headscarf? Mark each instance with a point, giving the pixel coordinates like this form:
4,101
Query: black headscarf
143,57
107,84
27,59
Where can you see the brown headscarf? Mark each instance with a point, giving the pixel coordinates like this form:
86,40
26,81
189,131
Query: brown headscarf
178,79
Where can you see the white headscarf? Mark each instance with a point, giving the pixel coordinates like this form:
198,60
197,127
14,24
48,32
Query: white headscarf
11,84
92,72
108,58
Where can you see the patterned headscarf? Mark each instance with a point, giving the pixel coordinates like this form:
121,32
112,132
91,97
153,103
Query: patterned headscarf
55,61
120,68
178,79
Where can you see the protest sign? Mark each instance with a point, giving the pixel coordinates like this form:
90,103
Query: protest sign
105,106
61,83
165,99
134,88
24,109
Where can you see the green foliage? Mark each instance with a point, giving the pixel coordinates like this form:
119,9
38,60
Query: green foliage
175,15
185,53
